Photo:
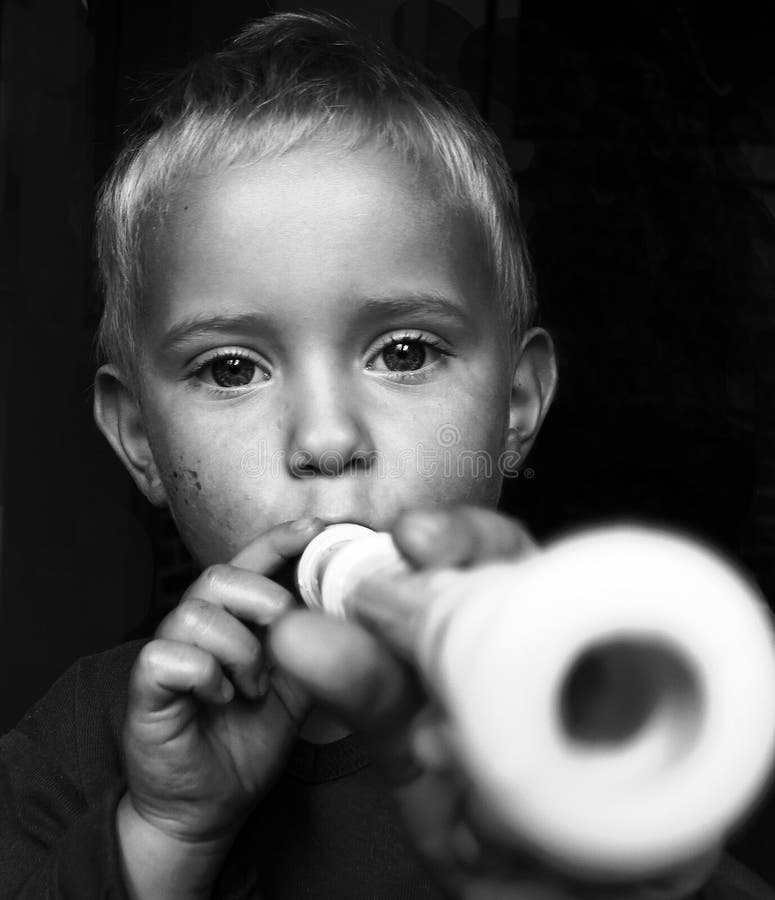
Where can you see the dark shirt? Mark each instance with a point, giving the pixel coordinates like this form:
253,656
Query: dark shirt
325,831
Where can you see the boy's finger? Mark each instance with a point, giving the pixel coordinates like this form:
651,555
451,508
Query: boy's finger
211,628
393,609
276,546
214,614
166,669
461,536
345,669
247,595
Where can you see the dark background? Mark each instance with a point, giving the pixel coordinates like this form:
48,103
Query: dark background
641,135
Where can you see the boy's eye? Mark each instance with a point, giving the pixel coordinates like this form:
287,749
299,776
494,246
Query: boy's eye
232,371
405,354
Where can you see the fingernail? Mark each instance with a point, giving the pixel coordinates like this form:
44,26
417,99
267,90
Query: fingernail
227,690
429,527
277,606
304,524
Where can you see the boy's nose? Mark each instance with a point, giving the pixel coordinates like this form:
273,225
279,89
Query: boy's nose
328,436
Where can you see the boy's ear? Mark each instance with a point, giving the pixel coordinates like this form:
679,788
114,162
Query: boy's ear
118,416
532,389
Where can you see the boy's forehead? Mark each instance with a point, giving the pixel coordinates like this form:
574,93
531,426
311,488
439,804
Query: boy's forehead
312,178
360,217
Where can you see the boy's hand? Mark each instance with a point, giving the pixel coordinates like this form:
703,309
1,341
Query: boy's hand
378,693
208,726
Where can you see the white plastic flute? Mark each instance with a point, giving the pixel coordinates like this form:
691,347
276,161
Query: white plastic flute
611,699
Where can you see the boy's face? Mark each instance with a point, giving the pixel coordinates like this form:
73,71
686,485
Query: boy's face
318,339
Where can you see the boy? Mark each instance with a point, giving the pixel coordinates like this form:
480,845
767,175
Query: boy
314,272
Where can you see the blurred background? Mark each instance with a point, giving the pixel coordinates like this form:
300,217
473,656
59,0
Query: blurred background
641,136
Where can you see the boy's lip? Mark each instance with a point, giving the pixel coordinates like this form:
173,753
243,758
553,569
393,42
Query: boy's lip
351,520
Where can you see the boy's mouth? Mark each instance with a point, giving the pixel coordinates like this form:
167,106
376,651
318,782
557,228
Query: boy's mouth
351,520
286,574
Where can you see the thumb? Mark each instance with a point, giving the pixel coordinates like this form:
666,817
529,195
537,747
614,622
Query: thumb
347,670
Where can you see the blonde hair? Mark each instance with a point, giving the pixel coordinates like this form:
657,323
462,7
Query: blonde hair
285,80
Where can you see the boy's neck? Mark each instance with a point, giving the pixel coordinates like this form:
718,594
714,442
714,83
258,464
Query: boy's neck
321,728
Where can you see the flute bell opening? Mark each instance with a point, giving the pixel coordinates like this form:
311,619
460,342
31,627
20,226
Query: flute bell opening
623,691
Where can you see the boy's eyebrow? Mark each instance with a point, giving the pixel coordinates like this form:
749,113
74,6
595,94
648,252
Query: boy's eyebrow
196,326
419,303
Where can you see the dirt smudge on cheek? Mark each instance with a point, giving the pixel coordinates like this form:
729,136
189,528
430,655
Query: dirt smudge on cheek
170,480
184,485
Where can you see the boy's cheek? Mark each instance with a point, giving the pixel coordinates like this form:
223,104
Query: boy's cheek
212,514
209,538
223,491
483,491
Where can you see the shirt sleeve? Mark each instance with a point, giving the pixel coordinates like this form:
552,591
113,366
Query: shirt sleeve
60,783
